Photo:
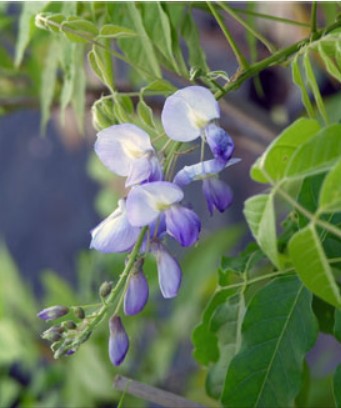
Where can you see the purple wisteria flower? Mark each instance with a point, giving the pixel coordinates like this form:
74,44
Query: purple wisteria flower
118,341
126,150
218,194
137,293
187,112
115,233
220,143
169,271
145,203
193,112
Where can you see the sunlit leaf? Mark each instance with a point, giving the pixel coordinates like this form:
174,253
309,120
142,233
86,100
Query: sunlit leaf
314,86
78,30
316,155
312,266
260,215
115,31
100,61
299,81
26,27
275,159
278,330
330,195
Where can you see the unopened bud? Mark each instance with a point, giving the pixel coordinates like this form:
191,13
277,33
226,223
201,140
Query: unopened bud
105,289
52,333
137,294
79,312
118,341
53,312
69,324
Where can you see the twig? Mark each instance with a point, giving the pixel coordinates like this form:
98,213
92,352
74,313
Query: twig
152,394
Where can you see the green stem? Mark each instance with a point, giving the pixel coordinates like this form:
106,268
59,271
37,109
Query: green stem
274,59
110,299
269,17
247,26
242,61
258,279
311,217
170,157
313,18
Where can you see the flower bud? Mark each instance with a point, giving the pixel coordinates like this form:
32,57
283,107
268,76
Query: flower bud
79,312
137,294
53,312
69,324
118,341
55,346
105,289
52,333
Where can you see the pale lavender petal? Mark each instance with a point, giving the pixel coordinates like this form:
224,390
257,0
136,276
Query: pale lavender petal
169,271
183,225
187,111
119,145
115,233
202,170
156,173
147,201
118,341
140,170
220,143
137,294
217,193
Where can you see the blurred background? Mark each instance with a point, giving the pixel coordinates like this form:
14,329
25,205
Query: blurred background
54,190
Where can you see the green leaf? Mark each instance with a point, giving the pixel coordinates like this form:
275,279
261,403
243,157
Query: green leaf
115,31
145,113
329,62
139,51
70,67
267,371
314,87
318,154
275,159
100,61
226,322
337,386
330,194
79,88
26,27
158,27
260,215
190,34
204,339
298,80
160,85
48,82
79,30
312,266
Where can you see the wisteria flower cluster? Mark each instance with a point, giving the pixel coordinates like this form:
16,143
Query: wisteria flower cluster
153,208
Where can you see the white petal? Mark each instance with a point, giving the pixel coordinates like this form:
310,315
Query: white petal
119,145
114,234
187,111
145,202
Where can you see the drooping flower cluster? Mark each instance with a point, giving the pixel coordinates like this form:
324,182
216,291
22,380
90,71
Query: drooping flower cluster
153,205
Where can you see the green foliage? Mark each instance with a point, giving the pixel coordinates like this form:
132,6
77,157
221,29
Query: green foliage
267,371
258,326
